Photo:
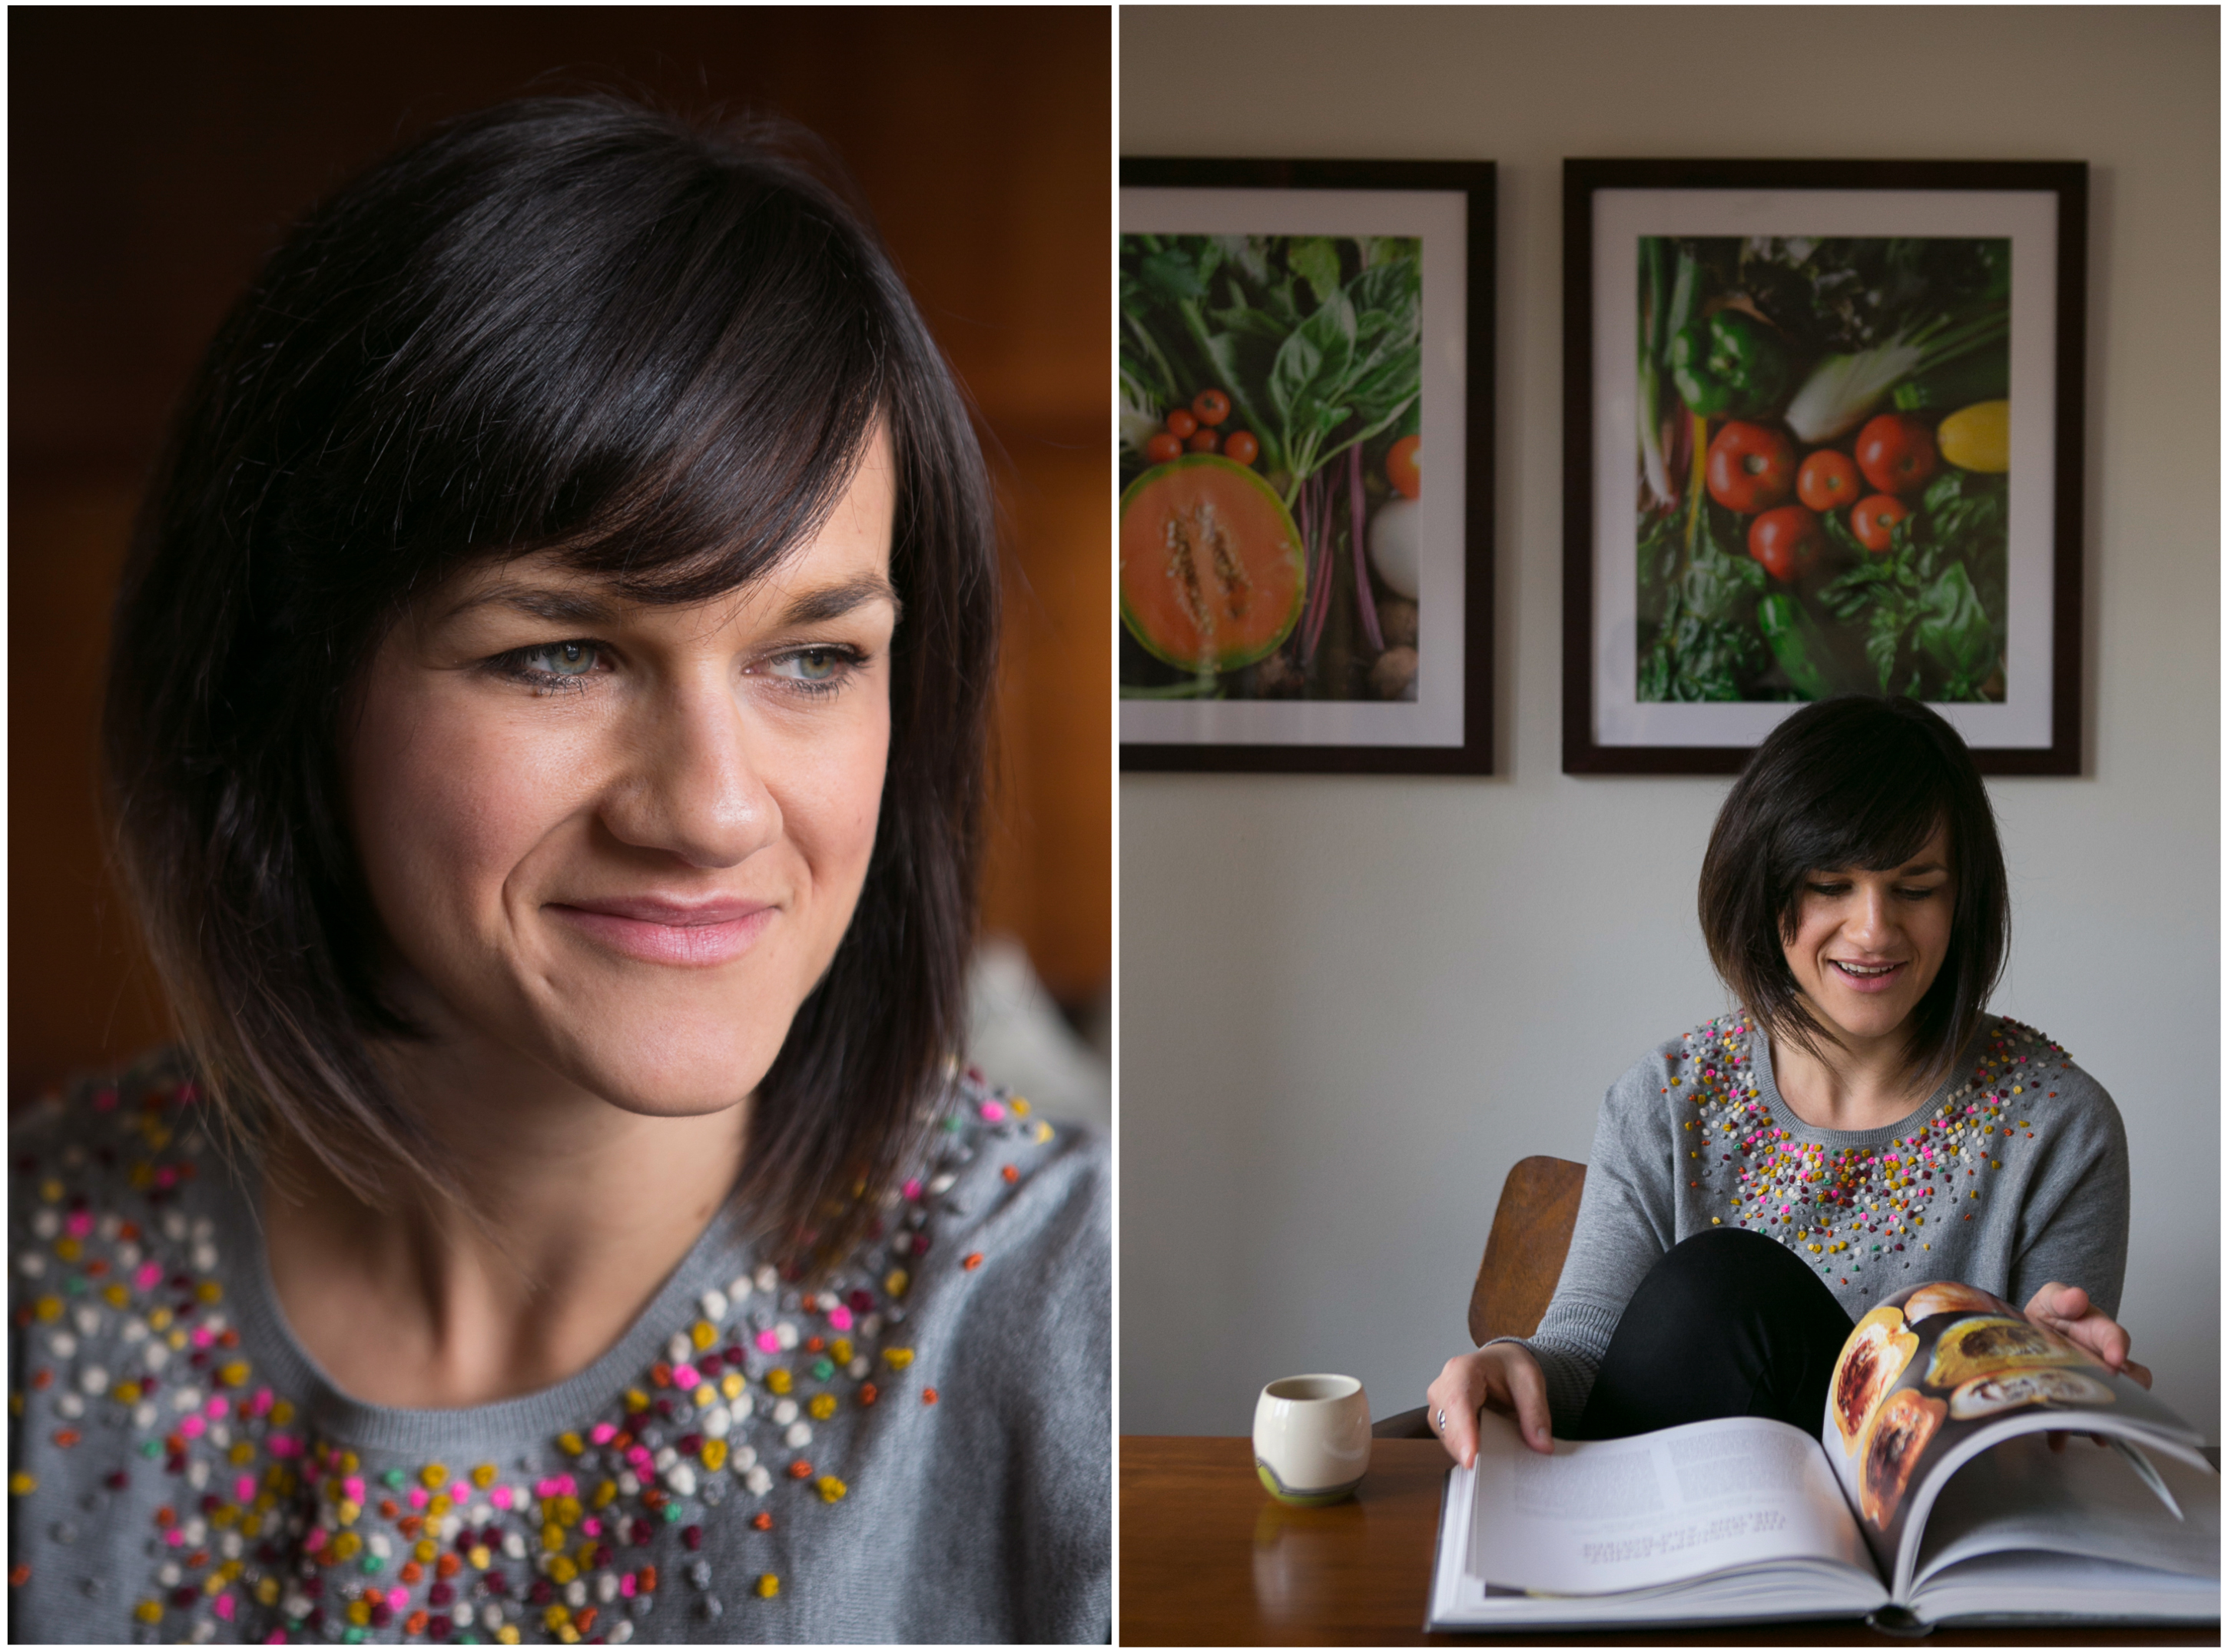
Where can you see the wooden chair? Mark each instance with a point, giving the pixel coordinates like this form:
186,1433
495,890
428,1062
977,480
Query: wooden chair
1523,1260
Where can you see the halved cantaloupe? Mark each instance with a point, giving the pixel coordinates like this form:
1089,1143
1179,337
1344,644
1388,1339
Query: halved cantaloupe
1213,574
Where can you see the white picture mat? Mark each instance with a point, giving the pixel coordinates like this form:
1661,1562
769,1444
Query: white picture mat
1621,217
1440,218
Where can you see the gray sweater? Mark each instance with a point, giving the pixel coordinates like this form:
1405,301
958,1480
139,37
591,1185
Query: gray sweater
917,1450
2013,1175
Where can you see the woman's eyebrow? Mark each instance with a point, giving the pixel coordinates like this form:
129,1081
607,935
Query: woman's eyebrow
833,601
556,603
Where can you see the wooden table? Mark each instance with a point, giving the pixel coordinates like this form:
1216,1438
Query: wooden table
1209,1558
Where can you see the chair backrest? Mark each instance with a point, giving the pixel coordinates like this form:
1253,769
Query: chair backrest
1524,1253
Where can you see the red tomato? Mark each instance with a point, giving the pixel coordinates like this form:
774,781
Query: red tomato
1787,541
1212,406
1162,447
1752,467
1896,453
1874,519
1241,445
1182,424
1828,480
1202,440
1404,467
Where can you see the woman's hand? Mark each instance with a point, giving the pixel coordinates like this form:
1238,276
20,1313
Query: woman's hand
1504,1376
2067,1310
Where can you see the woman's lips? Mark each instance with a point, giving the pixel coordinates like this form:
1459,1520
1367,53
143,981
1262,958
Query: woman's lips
1874,977
666,932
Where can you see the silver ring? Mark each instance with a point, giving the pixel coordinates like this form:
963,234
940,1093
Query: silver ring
1442,1422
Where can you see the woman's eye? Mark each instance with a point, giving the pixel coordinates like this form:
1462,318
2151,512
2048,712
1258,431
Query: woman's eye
562,659
551,665
819,669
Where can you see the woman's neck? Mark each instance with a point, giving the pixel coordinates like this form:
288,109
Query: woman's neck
1845,1088
580,1212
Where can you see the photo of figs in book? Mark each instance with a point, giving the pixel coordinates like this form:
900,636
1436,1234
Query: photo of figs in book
1929,1492
1271,459
1823,474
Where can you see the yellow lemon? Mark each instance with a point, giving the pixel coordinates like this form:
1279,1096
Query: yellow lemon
1978,438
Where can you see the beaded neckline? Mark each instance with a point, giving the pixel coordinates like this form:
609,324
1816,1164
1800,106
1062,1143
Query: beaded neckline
1870,1196
291,1513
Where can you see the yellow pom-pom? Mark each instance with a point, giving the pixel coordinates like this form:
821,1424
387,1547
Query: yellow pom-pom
769,1586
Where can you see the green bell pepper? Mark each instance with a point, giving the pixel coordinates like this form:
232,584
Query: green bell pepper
1796,644
1731,363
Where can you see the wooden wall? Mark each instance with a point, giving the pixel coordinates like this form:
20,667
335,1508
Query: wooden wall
157,154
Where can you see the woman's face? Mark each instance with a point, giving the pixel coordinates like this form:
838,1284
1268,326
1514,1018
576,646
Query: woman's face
624,840
1868,944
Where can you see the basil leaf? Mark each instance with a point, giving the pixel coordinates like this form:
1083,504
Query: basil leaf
1312,364
1313,259
1171,274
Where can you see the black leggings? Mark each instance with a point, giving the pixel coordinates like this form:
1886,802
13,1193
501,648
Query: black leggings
1730,1323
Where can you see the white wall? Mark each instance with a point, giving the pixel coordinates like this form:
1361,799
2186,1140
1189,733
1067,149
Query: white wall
1349,1004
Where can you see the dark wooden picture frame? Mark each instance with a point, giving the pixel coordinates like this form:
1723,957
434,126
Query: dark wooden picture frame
1590,408
1291,752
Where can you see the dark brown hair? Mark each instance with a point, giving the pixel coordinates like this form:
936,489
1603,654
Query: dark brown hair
571,325
1857,783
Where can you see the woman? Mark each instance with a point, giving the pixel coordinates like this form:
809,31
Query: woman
1861,1125
545,735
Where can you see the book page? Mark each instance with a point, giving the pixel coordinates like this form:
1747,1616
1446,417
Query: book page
2084,1500
1937,1374
1604,1515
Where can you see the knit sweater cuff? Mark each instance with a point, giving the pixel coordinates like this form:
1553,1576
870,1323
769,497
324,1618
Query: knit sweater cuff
1568,1359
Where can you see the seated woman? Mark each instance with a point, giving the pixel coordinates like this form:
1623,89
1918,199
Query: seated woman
545,736
1860,1125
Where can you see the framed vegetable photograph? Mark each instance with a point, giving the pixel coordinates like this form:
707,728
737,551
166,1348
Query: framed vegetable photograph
1822,435
1305,474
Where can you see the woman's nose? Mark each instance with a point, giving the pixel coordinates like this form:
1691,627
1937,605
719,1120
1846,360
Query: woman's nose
692,787
1873,916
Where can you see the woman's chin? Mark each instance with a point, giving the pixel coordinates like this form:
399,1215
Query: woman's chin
1866,1018
671,1072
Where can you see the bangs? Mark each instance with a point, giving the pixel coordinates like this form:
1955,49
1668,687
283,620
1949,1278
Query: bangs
1875,816
670,372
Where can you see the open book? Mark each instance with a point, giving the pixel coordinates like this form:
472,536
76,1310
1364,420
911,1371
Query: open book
1929,1494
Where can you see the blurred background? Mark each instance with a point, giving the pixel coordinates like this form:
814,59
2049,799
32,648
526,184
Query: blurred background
157,155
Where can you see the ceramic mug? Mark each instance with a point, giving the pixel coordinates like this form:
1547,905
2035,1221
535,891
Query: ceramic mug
1311,1438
